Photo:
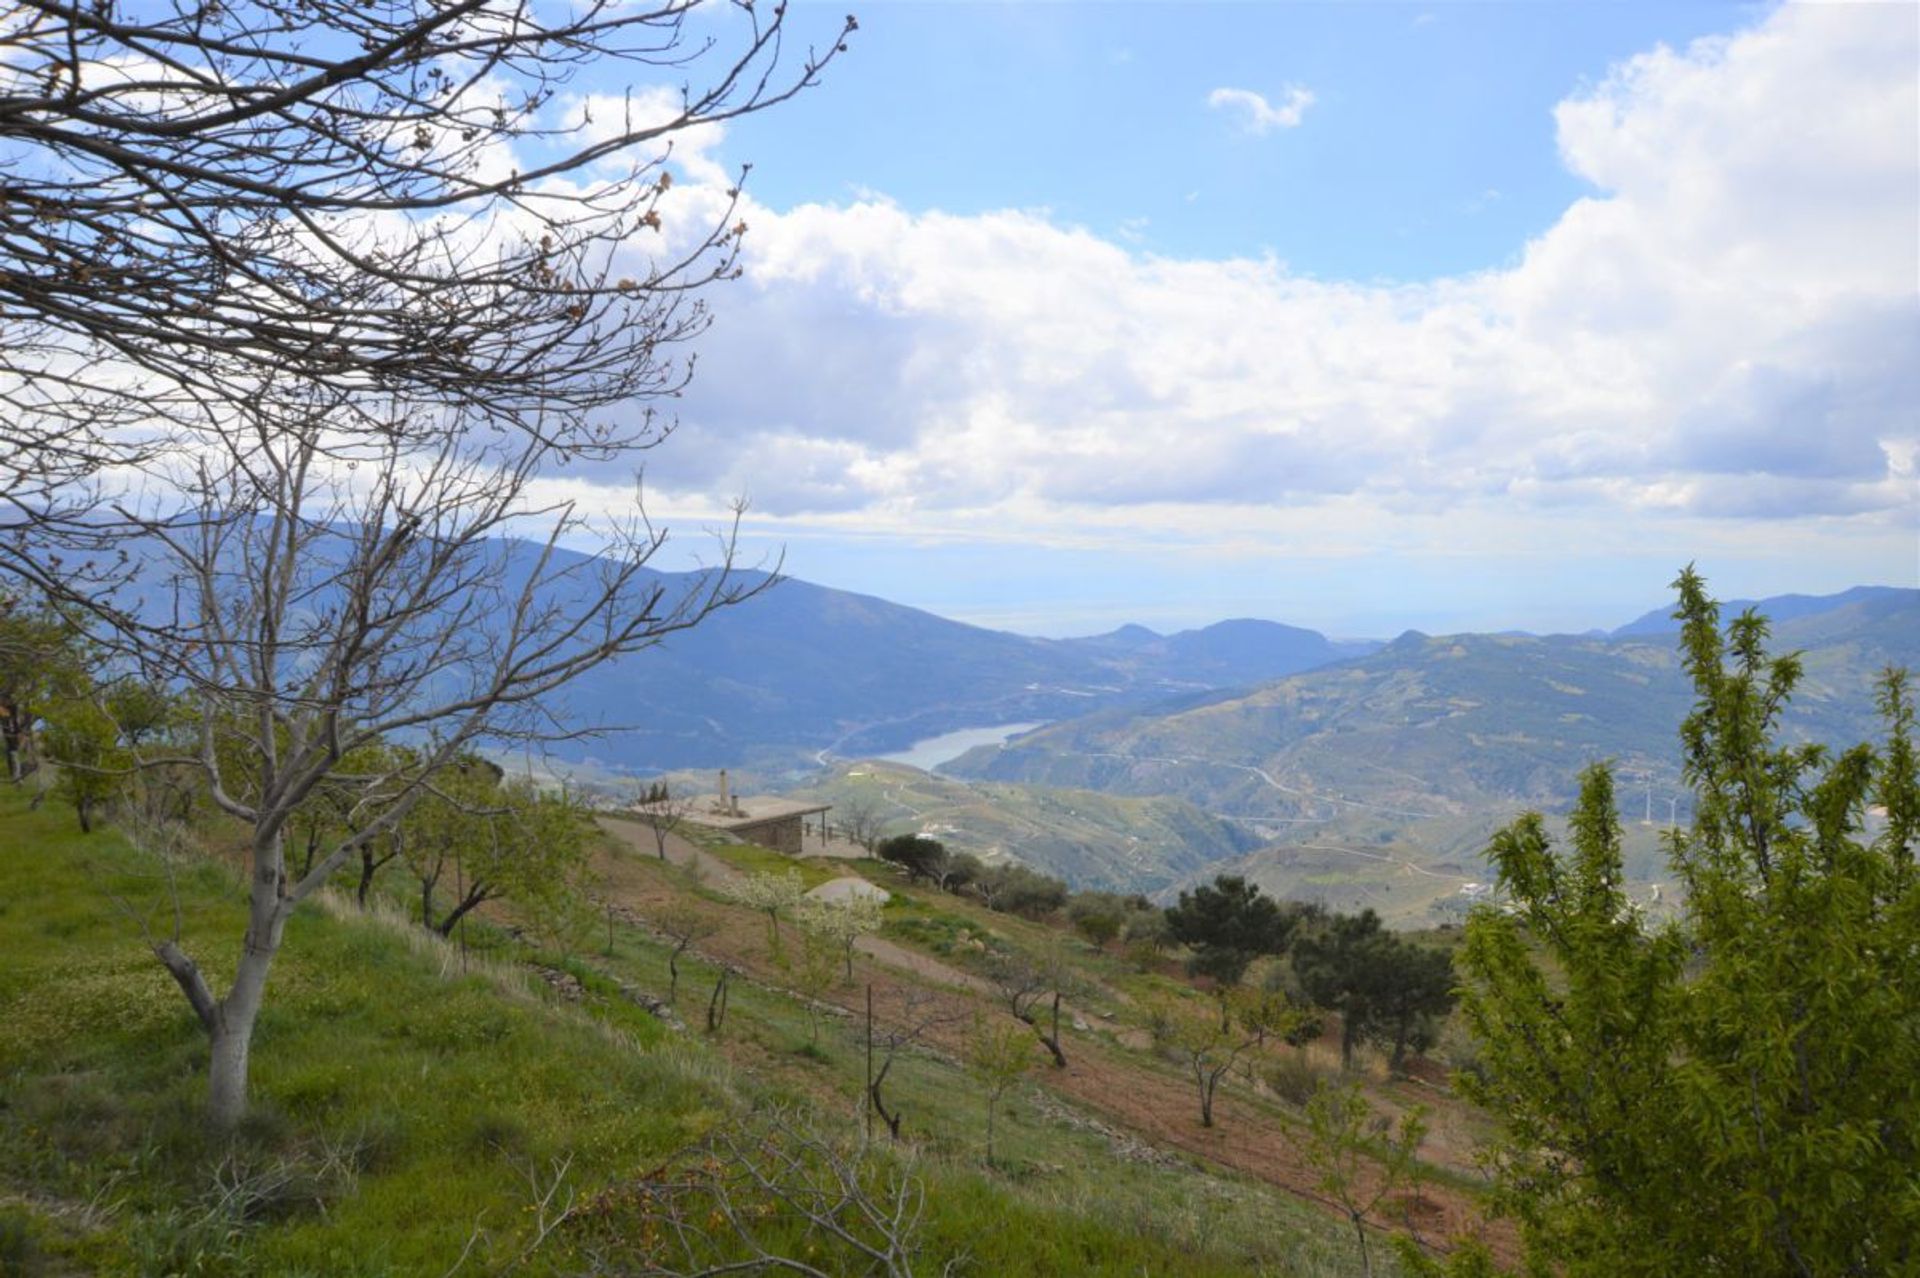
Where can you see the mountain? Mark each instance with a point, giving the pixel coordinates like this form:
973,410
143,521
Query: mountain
804,670
1224,654
1366,777
1776,608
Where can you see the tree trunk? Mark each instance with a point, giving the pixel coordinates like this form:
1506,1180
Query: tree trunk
227,1074
229,1022
1050,1042
1349,1035
86,816
874,1094
475,895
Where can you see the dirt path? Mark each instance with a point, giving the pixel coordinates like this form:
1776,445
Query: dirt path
639,836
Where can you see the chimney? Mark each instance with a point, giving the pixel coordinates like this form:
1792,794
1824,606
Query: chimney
726,801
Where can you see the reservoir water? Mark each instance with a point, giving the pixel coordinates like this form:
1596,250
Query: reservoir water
930,752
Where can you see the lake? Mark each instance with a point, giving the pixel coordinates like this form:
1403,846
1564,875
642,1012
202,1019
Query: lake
930,752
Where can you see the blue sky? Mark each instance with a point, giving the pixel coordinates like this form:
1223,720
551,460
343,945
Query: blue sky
1354,316
1430,152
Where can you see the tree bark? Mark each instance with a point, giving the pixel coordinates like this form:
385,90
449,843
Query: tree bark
229,1021
480,892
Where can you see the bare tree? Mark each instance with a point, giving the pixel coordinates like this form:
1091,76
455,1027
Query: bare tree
316,609
1025,982
664,811
417,199
686,925
860,818
920,1011
733,1204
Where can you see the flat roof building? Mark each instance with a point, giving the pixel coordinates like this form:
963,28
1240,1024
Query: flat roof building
767,820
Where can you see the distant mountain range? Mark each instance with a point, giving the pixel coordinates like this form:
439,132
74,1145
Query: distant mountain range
1365,776
1777,609
804,671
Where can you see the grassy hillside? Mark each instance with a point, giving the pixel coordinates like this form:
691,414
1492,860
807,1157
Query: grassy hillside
415,1101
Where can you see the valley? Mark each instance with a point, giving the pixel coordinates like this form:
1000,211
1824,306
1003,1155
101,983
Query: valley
1371,779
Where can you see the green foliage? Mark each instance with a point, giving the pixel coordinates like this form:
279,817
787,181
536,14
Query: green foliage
43,660
80,738
1384,988
1102,916
1229,923
920,856
998,1056
1353,1171
442,1093
1015,889
488,837
1733,1092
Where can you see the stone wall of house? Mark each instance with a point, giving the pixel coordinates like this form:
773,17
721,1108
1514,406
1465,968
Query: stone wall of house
781,834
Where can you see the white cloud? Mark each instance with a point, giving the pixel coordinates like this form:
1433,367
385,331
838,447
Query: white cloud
1257,115
1723,331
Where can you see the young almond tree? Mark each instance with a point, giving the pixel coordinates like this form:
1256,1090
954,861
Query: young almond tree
1210,1041
1357,1171
665,812
685,925
1733,1092
842,922
487,837
42,661
998,1056
769,893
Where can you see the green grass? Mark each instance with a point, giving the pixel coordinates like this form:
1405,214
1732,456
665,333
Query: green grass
402,1103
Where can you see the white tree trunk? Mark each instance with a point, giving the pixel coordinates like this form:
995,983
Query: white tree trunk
232,1031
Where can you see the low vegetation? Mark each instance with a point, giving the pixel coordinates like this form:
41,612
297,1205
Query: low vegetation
537,1044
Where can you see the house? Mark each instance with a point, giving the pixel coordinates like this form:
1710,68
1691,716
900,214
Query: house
767,820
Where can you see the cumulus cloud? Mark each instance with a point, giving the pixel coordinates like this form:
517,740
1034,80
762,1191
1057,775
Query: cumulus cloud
1723,329
1257,115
